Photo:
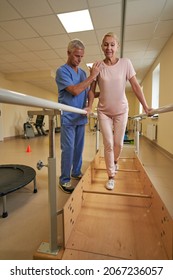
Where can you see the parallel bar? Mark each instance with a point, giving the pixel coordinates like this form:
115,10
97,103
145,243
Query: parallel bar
119,194
12,97
164,109
160,110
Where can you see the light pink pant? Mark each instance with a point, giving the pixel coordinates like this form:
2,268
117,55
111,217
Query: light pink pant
113,131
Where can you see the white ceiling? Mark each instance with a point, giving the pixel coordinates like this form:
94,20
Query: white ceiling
33,42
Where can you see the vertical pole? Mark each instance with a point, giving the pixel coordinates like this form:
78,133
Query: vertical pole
137,135
5,213
97,136
52,186
123,17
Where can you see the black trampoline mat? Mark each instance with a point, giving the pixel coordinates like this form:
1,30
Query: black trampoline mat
14,177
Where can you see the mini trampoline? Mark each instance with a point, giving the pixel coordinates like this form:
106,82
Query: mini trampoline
12,178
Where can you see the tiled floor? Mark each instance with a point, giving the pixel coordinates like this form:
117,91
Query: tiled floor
28,222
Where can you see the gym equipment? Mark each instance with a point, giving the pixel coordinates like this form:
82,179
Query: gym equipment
127,140
12,178
39,125
29,130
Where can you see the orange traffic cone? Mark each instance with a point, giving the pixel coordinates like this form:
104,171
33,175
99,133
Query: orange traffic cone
28,150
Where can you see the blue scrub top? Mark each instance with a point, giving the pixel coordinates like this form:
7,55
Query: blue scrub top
66,76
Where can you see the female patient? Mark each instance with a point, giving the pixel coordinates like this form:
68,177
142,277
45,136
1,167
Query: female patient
113,105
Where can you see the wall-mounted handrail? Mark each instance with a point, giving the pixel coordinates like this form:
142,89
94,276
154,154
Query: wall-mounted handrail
160,110
136,118
13,97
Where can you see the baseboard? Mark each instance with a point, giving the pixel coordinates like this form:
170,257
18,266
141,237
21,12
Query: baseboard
12,137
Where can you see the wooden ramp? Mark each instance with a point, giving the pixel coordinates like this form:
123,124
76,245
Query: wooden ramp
129,222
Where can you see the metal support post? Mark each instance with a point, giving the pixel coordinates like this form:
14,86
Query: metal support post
52,185
51,247
5,213
137,136
97,135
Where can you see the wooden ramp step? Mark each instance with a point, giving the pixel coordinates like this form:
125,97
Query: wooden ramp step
114,227
116,224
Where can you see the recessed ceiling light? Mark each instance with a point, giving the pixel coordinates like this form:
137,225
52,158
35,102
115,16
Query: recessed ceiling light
76,21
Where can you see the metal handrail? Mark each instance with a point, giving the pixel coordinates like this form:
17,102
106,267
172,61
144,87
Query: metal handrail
12,97
160,110
136,118
154,112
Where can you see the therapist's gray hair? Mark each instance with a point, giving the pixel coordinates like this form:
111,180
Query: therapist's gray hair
75,44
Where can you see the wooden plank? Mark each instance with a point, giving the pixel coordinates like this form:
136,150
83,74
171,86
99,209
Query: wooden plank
119,170
73,205
164,223
123,163
80,255
118,194
116,228
159,211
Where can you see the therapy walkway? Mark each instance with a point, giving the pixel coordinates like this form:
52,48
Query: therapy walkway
130,222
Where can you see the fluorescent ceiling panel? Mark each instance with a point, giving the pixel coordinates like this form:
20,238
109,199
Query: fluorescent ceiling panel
76,21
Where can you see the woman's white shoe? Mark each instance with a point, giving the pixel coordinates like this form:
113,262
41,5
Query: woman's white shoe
110,184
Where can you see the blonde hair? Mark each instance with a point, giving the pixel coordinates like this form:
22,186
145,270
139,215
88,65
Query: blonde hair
75,44
113,35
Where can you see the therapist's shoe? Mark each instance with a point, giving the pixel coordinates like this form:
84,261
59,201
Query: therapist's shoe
78,177
66,187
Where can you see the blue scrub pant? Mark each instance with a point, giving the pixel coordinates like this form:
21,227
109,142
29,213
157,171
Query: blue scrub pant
72,143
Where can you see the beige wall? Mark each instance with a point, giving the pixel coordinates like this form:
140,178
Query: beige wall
164,122
13,117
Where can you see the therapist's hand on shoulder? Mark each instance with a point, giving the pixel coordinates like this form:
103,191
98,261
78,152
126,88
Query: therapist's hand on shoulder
96,68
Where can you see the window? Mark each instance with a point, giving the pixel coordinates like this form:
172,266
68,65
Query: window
155,87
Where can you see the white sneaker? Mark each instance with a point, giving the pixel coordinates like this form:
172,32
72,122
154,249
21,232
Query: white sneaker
110,184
